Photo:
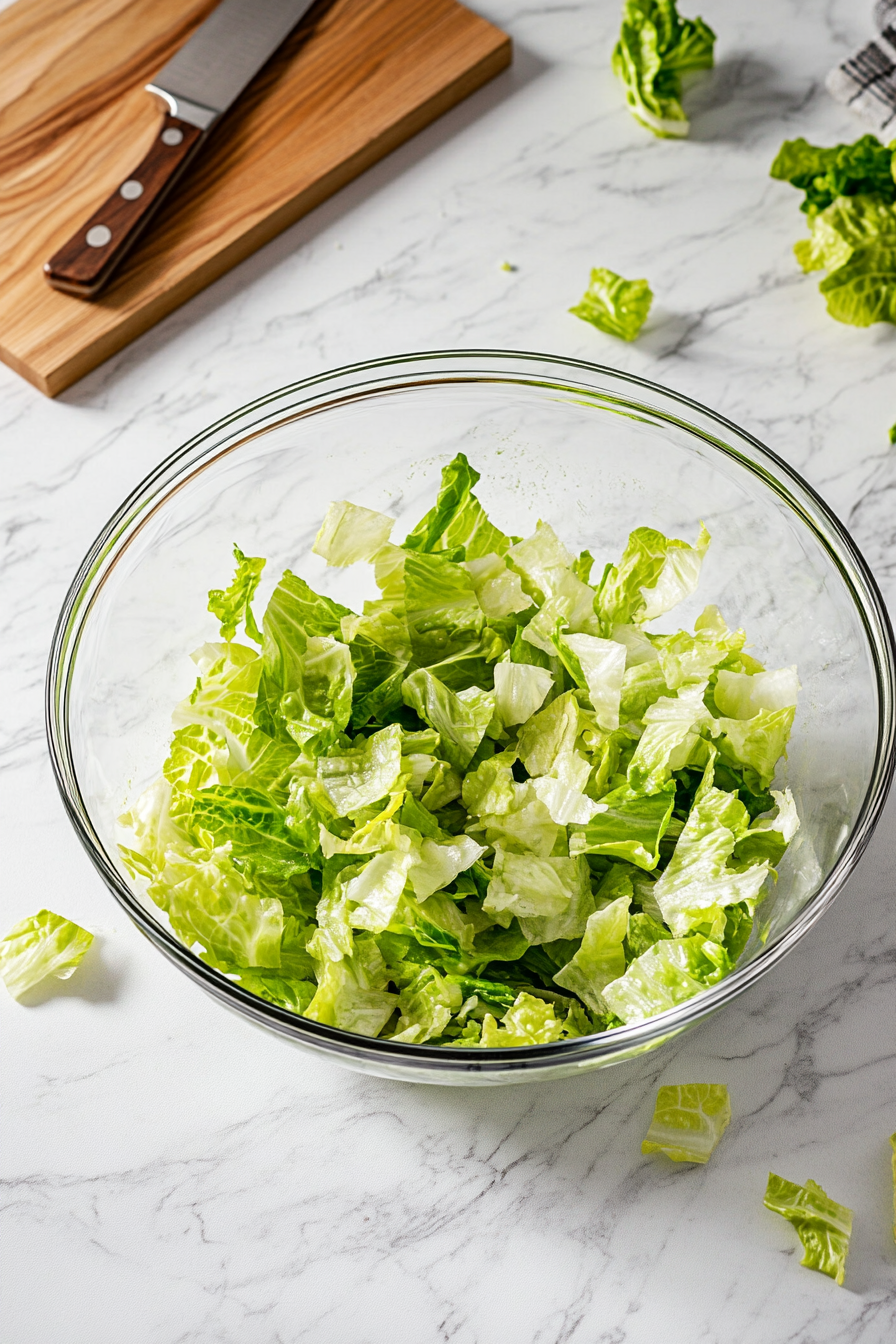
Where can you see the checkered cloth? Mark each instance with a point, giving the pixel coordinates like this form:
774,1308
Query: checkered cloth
866,82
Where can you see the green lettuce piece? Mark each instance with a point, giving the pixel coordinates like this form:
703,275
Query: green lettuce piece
863,291
443,612
562,790
698,882
862,168
668,973
255,826
598,667
686,659
491,788
530,1021
426,1006
672,727
498,588
601,956
198,758
351,992
211,904
284,991
654,574
356,776
224,698
526,828
437,863
295,615
318,706
543,561
350,533
457,518
526,885
822,1225
520,690
627,827
741,695
756,744
231,606
845,227
688,1121
614,305
549,734
460,720
373,894
42,945
655,48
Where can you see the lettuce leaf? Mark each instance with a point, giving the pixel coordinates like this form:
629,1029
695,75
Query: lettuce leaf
822,1225
350,533
654,574
668,973
42,945
628,826
688,1121
520,690
601,956
356,776
530,1021
232,605
655,48
614,305
460,720
457,518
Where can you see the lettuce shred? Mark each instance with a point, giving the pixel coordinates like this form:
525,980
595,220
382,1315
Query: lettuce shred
656,48
491,809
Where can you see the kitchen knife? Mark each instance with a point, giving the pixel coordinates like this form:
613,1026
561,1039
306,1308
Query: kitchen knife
198,85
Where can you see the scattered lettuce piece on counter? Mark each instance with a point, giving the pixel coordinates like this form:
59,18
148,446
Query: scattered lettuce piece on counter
38,947
893,433
656,48
822,1225
614,305
492,809
688,1121
850,202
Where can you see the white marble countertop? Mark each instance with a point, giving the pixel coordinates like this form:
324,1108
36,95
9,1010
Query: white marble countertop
173,1175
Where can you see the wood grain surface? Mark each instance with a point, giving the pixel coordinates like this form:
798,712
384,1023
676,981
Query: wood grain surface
355,80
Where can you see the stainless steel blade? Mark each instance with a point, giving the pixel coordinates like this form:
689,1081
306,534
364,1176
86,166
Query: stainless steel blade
212,69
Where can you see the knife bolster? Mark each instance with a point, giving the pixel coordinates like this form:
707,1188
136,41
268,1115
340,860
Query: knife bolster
85,262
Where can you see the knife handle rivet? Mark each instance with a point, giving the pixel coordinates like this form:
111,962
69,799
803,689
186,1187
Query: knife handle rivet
172,136
131,189
99,236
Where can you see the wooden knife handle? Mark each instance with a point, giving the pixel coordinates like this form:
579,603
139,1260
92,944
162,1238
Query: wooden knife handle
84,264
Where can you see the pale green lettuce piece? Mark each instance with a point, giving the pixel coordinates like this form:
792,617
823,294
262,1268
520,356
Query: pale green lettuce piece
460,720
232,606
697,882
741,695
548,734
526,885
491,788
318,706
822,1225
457,518
359,775
627,827
543,560
441,607
688,1121
668,973
520,689
571,922
437,863
198,757
601,958
426,1006
526,828
562,790
333,939
530,1021
351,992
654,574
151,828
598,666
672,726
350,533
571,604
388,569
42,945
757,743
686,658
210,903
655,48
373,895
224,697
497,587
442,912
613,304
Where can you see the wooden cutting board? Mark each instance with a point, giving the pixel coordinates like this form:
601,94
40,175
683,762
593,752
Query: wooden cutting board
355,80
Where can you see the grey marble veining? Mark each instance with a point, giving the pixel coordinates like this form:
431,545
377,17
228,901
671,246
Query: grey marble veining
171,1175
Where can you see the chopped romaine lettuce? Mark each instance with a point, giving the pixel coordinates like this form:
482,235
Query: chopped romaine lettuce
38,947
492,809
614,305
655,48
823,1226
688,1121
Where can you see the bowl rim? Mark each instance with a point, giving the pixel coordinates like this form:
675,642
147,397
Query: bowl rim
394,373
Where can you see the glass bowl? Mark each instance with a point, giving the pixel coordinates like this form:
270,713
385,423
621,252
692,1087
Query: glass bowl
594,452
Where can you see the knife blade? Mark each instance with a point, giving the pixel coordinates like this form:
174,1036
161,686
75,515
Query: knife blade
198,85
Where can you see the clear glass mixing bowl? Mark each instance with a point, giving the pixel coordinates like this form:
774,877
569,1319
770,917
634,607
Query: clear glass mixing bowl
590,450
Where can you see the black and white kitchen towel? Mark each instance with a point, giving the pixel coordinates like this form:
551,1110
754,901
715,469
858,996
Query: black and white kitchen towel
866,82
